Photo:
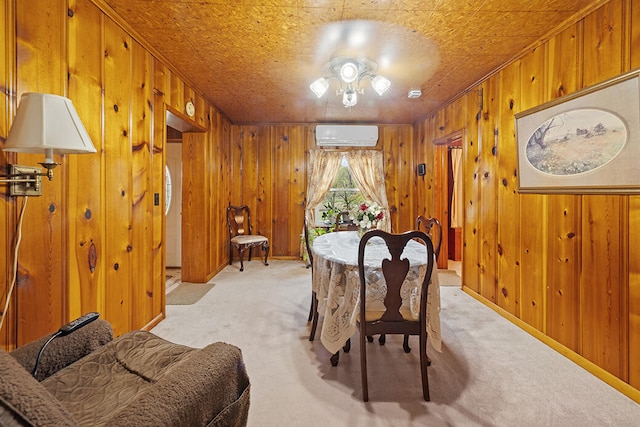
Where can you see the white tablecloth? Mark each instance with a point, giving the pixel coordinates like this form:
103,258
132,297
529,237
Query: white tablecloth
336,283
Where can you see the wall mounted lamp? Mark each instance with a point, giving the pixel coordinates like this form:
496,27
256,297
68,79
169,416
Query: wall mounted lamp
43,123
350,72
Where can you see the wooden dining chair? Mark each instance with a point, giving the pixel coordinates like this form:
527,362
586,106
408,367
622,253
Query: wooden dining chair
394,319
433,228
313,310
240,234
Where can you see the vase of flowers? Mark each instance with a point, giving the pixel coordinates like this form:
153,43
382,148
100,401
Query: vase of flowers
368,216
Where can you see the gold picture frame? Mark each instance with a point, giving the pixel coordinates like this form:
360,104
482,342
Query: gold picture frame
583,143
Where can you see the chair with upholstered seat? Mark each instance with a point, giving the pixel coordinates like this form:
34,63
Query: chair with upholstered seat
394,319
240,234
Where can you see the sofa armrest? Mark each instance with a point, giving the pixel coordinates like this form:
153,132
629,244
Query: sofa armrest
209,387
63,351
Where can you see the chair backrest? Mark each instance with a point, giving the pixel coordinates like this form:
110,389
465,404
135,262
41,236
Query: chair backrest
238,220
306,241
433,228
395,271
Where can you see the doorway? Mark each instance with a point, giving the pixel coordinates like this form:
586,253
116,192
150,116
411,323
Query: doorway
454,196
174,199
448,199
179,132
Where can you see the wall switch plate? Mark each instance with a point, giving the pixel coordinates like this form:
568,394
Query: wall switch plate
29,182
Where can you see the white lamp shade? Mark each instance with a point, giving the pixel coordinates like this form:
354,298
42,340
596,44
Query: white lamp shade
349,98
47,123
320,86
349,72
380,84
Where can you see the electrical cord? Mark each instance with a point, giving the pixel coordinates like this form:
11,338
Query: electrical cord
15,262
35,368
70,327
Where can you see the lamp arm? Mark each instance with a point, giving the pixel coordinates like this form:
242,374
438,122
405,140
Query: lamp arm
16,177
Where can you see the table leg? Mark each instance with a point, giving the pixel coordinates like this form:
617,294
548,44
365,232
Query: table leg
335,358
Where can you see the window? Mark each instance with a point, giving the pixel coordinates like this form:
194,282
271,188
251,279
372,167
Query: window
344,195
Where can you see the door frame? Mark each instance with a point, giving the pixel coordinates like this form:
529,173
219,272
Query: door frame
442,188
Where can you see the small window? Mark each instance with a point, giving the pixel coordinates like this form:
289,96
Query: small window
344,195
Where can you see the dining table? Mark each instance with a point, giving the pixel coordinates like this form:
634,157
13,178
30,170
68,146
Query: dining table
337,285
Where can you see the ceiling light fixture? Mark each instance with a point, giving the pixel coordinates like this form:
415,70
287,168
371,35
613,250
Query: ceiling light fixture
350,72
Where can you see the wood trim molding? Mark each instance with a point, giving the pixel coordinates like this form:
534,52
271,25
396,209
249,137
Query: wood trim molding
448,139
111,14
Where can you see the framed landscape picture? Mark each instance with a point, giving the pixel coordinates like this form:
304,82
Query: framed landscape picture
585,142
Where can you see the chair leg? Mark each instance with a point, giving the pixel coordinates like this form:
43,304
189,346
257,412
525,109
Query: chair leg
382,339
405,344
363,368
311,307
314,323
347,346
241,253
230,254
250,249
423,367
266,254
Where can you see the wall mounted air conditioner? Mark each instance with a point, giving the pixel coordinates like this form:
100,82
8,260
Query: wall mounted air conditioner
346,135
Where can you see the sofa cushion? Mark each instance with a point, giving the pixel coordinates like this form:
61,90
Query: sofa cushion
107,379
24,401
209,387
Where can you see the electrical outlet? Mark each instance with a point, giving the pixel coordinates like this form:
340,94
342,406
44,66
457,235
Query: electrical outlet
29,183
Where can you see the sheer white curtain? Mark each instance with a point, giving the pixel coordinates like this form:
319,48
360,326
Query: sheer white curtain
323,168
367,168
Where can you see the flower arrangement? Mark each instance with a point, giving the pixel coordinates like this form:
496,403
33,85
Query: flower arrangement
368,215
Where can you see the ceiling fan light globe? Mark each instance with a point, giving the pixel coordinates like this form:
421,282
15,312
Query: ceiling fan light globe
349,72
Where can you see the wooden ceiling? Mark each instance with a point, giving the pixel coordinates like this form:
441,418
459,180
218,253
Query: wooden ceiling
255,59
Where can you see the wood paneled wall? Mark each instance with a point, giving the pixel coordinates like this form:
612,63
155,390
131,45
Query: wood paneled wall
95,239
562,266
269,166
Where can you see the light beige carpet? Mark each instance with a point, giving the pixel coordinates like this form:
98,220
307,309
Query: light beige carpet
489,373
448,278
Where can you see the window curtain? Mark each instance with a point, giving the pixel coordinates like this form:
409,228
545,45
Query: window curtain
367,168
323,168
456,201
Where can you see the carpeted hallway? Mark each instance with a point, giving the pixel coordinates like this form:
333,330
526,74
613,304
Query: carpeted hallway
490,372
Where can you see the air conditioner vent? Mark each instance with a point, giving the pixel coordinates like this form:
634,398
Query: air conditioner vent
346,135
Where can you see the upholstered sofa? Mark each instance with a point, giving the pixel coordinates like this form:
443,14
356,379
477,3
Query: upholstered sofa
87,378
